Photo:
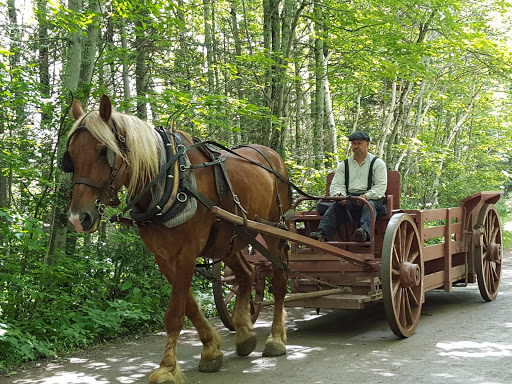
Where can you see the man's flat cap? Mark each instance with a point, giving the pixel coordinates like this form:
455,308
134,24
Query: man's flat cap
359,135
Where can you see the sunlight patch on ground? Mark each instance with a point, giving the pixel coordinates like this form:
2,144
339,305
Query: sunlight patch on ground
474,349
262,364
293,352
66,378
384,373
445,375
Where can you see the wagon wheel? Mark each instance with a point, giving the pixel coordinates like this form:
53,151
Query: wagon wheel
488,252
225,292
402,275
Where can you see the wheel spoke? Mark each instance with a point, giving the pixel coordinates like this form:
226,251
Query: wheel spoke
408,244
397,294
401,313
395,262
395,288
494,234
413,256
229,296
403,239
414,299
408,315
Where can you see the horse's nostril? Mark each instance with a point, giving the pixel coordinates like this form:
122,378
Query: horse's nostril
86,220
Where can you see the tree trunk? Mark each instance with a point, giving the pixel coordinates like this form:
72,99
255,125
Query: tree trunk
89,49
127,94
141,67
390,114
70,79
318,117
207,13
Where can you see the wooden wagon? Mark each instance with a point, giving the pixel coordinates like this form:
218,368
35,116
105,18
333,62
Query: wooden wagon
411,252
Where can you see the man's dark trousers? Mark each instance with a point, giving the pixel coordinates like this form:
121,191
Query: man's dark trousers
337,213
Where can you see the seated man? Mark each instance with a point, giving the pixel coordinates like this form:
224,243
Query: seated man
366,178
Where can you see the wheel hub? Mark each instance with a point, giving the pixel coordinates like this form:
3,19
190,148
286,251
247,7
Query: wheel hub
410,275
494,251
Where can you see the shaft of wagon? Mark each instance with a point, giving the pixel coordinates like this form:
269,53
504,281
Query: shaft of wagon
359,259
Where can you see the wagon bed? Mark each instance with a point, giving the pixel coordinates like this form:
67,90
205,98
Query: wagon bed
411,252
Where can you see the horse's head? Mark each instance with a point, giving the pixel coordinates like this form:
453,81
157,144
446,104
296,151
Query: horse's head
96,155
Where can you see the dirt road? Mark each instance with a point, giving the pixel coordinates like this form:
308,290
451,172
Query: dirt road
460,339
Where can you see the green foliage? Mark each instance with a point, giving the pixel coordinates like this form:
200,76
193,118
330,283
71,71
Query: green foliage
47,309
446,64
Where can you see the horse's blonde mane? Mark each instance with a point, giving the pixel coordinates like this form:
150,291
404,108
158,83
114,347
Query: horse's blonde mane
144,149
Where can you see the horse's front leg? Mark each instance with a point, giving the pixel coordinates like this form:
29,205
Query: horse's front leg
169,371
211,356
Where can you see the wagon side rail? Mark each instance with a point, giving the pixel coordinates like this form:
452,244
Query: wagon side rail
441,233
448,236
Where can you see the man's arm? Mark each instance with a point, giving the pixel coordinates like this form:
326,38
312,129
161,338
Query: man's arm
338,182
380,181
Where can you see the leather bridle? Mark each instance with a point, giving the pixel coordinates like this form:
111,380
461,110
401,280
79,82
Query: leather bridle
107,190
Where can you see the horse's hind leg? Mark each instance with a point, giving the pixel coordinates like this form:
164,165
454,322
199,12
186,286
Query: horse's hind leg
276,342
211,356
245,336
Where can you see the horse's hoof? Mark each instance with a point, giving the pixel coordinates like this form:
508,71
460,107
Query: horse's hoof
164,376
211,365
245,347
274,348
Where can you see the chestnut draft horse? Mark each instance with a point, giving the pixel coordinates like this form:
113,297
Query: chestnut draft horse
108,149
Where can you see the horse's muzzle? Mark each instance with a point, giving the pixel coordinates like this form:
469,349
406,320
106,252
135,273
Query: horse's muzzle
84,222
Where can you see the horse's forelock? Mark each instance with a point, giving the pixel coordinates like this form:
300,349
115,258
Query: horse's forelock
142,158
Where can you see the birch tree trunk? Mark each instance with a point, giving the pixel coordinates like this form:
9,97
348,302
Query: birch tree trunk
127,94
70,77
208,42
331,146
88,59
389,116
141,67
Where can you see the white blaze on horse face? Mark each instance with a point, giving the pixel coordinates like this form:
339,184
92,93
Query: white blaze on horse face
74,219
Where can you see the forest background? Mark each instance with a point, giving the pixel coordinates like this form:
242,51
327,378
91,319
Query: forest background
430,81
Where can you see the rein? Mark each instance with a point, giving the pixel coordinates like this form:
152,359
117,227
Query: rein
178,150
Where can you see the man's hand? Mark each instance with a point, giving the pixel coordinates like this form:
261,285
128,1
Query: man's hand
341,202
359,202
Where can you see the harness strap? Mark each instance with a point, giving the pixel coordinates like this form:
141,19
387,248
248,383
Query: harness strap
163,171
278,196
198,195
284,179
94,184
370,174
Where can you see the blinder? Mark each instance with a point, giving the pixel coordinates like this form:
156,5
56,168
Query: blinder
111,157
67,164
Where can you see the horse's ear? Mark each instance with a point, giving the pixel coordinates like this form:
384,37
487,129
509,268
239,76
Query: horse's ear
77,110
105,108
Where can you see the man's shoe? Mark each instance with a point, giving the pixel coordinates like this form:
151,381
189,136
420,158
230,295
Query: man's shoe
319,235
361,236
